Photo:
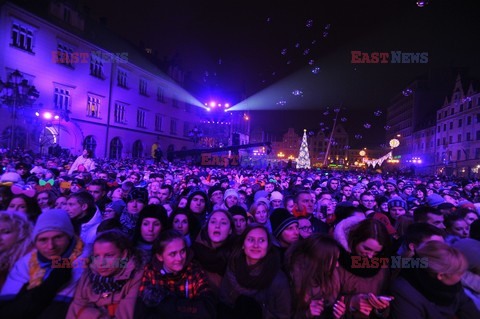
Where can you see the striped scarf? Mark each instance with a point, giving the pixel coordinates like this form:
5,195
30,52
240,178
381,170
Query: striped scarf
103,284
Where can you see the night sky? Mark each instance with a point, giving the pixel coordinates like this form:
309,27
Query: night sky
234,50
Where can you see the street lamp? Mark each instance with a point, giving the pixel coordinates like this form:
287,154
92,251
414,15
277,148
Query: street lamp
17,93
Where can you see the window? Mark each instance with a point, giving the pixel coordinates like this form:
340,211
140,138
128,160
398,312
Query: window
460,122
478,117
186,128
459,155
137,151
450,139
469,105
143,87
93,106
461,107
161,95
459,138
96,67
444,127
469,120
445,114
122,78
158,122
477,153
451,125
64,55
116,148
444,141
90,144
438,129
469,136
451,111
467,154
478,135
141,118
22,37
120,113
174,102
173,126
61,99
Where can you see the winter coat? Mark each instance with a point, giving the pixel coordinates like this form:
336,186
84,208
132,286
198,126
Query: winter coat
88,231
48,300
87,304
410,303
275,301
88,163
183,295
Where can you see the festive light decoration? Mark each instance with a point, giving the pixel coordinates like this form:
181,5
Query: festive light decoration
394,143
303,160
379,161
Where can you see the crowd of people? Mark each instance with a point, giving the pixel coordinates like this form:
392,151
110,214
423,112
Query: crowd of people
88,238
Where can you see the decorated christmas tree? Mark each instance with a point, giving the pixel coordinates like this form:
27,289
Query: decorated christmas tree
303,160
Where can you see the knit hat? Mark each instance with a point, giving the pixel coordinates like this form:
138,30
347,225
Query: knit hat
392,182
408,185
397,202
237,210
434,200
53,219
117,206
13,177
213,189
153,211
281,219
230,192
140,194
276,196
259,194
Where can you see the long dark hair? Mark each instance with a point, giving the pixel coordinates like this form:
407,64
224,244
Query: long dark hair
311,263
369,228
33,210
204,231
121,241
166,238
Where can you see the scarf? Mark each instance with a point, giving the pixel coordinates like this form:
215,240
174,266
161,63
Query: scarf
345,260
103,284
258,276
39,267
212,260
430,287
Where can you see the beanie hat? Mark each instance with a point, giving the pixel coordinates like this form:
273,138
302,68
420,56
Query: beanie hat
137,193
434,200
281,219
408,185
12,177
237,210
117,206
213,189
276,196
53,219
230,192
392,182
153,211
260,194
397,202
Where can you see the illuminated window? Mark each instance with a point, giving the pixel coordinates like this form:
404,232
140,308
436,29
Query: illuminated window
61,99
93,106
22,37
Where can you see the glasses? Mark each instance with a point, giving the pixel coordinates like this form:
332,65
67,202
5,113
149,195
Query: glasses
368,200
307,229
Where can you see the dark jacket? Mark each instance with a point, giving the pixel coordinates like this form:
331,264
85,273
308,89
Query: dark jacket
410,303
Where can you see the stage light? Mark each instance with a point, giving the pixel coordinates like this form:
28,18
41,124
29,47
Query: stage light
227,104
37,114
213,104
219,104
56,117
208,109
47,115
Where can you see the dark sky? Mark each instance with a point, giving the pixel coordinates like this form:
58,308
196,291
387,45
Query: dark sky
235,46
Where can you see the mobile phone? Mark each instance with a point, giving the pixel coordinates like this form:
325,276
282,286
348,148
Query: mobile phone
384,298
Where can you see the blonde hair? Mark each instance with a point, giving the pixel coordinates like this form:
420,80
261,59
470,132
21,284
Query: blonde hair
254,207
443,258
23,243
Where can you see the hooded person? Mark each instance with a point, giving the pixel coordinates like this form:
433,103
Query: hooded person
198,205
42,283
284,229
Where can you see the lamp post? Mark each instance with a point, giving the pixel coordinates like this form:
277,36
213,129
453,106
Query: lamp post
17,93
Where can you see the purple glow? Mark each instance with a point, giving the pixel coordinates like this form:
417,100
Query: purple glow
47,115
213,104
227,104
37,114
56,117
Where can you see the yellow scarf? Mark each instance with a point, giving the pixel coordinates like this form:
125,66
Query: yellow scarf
36,273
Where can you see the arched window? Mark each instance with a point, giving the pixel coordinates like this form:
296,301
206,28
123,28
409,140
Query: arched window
116,148
137,151
90,144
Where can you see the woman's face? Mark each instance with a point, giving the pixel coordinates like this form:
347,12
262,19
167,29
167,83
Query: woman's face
150,229
17,205
290,205
289,235
471,217
42,200
180,223
255,245
384,207
117,194
460,228
420,194
107,258
219,228
174,256
368,248
61,202
8,236
231,201
261,214
135,206
305,227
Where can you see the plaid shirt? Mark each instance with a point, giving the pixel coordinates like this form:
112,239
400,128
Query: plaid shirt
191,283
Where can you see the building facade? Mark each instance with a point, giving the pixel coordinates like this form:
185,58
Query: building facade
101,93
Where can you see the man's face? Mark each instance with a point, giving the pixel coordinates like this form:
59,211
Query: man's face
217,197
96,192
390,188
396,212
368,201
334,184
269,187
22,171
437,184
103,176
52,243
133,178
276,203
163,194
240,224
306,202
74,209
408,191
197,204
435,220
347,191
450,199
